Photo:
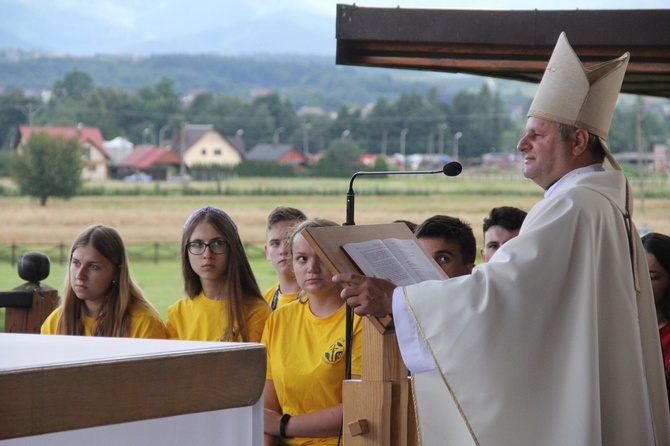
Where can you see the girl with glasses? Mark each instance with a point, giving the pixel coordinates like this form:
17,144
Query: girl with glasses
223,301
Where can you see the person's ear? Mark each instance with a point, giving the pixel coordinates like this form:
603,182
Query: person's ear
580,142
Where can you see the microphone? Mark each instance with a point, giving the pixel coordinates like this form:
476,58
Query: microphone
451,169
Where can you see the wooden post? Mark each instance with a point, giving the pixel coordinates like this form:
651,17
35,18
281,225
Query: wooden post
26,319
378,408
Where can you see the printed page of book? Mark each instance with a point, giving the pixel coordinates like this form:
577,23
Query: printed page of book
414,258
374,258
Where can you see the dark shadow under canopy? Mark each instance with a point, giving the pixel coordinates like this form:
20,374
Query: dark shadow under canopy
506,44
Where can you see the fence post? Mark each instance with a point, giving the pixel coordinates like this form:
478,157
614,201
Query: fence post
12,259
29,320
156,258
29,304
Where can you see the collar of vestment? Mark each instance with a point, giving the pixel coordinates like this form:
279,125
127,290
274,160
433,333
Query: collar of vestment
557,185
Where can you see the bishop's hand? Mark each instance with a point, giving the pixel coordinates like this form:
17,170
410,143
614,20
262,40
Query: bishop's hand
367,295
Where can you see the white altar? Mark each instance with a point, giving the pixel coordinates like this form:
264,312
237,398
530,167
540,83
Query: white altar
65,390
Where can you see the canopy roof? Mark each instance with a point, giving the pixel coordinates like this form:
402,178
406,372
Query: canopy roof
506,44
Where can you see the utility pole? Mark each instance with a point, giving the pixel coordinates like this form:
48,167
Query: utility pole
182,150
403,135
440,141
644,228
454,154
305,142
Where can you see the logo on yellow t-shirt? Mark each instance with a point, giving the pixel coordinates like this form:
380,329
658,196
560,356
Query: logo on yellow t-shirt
334,352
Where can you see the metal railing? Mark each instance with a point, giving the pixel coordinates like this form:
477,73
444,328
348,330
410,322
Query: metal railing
152,252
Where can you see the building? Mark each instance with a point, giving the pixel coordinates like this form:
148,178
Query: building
656,161
92,144
117,149
276,153
203,145
149,162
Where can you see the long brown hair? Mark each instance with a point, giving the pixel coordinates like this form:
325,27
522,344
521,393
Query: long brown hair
238,283
114,317
659,245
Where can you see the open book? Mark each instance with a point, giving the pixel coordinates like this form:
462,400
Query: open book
358,249
329,242
400,260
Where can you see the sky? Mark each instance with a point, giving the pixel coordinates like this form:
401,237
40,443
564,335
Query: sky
84,27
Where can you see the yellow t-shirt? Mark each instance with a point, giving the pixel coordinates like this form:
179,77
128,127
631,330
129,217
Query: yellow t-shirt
306,360
205,319
282,299
143,324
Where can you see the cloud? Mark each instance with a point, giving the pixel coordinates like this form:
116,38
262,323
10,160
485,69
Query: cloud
117,13
109,26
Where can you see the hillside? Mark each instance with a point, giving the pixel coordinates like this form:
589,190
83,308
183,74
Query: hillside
304,80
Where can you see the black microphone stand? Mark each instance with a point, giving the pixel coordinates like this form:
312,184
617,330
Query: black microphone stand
349,315
450,169
350,192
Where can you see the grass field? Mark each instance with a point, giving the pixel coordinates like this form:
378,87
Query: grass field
146,219
162,284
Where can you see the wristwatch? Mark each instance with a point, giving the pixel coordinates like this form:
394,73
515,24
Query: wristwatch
282,425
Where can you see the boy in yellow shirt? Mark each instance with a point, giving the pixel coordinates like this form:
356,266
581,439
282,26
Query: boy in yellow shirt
281,221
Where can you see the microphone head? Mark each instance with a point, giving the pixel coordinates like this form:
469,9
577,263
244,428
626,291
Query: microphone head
452,169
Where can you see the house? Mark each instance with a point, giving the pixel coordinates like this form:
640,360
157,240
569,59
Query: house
151,162
276,153
117,149
91,141
655,161
203,145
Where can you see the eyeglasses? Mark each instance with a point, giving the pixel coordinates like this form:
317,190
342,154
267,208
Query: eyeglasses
216,247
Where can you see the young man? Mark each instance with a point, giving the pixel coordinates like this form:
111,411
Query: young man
280,222
534,349
502,225
450,242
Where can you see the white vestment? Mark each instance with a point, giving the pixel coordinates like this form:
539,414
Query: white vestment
548,343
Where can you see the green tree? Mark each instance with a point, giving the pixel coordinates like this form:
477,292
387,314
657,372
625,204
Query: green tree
340,159
482,119
152,108
47,167
283,116
104,106
16,109
74,85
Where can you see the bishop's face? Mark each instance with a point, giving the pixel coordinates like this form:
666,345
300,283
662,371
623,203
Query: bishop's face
546,157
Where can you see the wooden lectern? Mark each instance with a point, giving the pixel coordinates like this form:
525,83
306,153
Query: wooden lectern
378,408
64,390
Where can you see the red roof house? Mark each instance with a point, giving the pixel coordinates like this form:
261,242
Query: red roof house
90,139
157,162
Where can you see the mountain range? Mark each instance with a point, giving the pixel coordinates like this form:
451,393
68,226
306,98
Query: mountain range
25,26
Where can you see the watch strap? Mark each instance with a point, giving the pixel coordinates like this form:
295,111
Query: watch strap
282,425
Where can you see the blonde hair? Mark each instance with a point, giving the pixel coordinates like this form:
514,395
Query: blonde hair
309,223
